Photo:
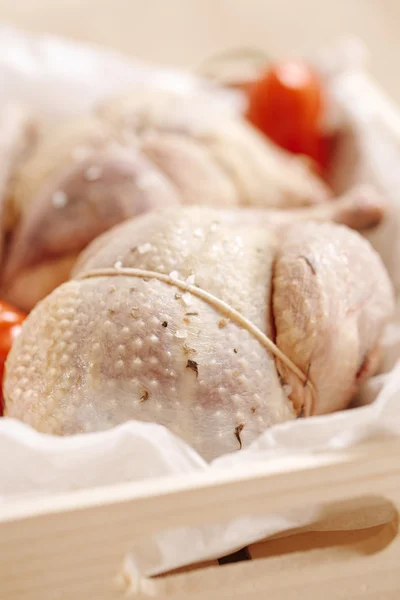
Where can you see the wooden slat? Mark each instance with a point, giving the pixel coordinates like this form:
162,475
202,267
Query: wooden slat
73,544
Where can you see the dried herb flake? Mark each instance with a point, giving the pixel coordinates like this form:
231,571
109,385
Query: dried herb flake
238,431
144,395
192,364
188,350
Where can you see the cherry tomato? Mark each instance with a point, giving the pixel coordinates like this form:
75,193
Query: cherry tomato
286,104
11,321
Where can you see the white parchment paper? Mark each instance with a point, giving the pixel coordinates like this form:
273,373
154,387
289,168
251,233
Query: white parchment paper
59,78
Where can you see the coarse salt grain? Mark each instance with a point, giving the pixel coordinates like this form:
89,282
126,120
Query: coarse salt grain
59,199
93,173
147,181
80,153
214,226
181,334
187,298
144,248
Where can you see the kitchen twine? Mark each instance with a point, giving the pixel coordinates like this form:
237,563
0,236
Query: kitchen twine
215,302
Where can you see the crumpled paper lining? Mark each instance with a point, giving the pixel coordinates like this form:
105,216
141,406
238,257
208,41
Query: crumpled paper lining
60,78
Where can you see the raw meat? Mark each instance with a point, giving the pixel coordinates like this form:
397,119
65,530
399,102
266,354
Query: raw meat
149,150
214,323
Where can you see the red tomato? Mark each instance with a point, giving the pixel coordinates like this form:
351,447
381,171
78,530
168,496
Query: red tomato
11,321
286,104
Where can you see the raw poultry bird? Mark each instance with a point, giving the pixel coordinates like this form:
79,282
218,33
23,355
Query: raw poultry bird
214,323
144,151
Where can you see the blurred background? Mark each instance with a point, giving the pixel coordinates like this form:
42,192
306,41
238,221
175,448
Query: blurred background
184,32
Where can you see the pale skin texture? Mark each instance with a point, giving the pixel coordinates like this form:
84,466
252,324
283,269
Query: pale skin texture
134,154
103,349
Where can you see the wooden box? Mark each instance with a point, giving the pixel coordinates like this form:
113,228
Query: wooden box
73,546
